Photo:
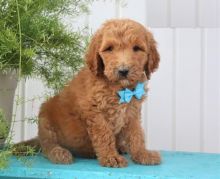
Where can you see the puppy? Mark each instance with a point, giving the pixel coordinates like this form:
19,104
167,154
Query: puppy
92,116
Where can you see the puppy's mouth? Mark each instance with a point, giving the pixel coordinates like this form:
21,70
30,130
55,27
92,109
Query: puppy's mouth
124,82
131,80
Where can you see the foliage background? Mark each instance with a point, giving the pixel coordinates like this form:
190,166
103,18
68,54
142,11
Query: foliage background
48,49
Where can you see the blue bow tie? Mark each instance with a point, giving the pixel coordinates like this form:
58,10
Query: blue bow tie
126,94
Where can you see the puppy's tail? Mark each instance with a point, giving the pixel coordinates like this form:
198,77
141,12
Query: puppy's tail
26,148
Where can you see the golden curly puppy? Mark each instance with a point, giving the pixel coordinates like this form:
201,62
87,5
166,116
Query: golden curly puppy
87,118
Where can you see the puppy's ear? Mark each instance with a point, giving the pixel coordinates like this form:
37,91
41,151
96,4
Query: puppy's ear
153,56
93,59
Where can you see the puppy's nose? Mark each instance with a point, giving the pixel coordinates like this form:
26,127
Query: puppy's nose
123,72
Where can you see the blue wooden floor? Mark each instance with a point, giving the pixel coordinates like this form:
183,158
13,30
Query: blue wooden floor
174,165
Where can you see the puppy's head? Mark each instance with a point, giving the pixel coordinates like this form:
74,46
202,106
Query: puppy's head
123,52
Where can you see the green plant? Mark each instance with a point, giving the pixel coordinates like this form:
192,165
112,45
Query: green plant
47,49
4,127
4,158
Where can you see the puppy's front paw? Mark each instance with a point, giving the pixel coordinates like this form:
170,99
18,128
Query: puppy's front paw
60,155
116,161
147,158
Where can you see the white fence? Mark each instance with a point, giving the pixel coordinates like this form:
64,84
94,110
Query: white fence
183,109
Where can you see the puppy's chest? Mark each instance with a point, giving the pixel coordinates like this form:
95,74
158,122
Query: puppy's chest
115,114
116,117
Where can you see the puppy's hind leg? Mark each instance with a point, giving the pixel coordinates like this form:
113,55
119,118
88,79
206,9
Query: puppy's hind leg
49,144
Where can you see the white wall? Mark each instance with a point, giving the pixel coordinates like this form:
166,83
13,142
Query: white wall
183,109
183,106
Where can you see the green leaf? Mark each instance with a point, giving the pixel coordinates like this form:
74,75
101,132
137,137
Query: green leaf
4,126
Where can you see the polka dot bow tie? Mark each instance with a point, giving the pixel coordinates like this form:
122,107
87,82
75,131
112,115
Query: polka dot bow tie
126,94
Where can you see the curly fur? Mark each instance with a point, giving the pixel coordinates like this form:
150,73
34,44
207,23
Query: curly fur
85,118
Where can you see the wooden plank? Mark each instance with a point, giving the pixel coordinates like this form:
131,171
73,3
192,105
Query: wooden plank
218,14
134,10
211,92
159,112
207,13
218,56
175,165
100,12
17,125
34,96
158,13
188,64
183,13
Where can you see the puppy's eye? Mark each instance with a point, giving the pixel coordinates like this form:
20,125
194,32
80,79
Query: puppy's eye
137,48
108,49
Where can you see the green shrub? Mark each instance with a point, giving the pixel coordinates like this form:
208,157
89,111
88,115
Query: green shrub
48,50
4,127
